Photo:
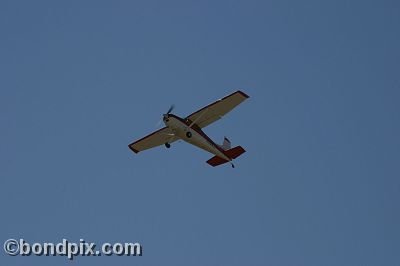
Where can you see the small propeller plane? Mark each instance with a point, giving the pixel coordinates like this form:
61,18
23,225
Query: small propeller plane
190,130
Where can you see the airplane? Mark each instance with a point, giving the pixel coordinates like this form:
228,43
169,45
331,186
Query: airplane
190,130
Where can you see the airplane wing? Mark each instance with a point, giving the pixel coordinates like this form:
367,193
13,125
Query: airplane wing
216,110
152,140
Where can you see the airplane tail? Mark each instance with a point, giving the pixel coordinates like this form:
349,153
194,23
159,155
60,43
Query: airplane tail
231,153
226,145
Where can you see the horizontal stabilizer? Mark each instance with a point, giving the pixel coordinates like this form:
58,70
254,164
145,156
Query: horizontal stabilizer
235,152
214,161
231,153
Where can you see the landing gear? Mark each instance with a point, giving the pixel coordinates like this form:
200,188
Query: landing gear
233,166
189,134
167,145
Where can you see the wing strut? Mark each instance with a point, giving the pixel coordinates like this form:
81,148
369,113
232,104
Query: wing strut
194,122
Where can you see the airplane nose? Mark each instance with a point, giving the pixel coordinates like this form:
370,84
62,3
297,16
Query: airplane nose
165,117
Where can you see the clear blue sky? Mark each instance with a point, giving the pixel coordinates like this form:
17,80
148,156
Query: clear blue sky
319,184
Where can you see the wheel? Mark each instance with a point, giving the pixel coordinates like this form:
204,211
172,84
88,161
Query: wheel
189,134
167,145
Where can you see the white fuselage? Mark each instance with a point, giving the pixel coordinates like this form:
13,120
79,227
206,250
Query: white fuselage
197,137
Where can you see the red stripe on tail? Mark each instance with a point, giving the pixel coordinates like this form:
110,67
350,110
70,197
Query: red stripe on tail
231,153
214,161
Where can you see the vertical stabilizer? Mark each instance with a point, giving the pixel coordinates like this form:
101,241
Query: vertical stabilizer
226,145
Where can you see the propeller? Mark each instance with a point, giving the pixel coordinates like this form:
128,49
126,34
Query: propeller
170,109
165,116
